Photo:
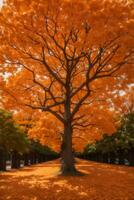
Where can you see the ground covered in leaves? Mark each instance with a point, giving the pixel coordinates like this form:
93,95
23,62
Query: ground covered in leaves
42,182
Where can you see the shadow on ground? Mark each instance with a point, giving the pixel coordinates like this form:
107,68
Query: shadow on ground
42,182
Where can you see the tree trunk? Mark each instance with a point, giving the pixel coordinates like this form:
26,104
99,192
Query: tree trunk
67,155
105,158
15,160
112,158
26,159
131,157
2,161
121,157
32,158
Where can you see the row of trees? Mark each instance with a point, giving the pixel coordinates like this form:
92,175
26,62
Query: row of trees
119,145
61,64
15,145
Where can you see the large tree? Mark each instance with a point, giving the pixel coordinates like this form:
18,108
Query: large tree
57,53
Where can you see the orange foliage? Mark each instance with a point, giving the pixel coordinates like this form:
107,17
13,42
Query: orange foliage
96,34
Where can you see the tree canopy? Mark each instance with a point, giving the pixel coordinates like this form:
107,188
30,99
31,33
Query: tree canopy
66,66
12,137
122,140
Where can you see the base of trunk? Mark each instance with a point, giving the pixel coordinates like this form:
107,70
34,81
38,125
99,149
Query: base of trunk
72,172
69,170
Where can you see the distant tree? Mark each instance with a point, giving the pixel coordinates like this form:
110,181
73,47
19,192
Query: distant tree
41,152
125,137
120,144
12,137
90,148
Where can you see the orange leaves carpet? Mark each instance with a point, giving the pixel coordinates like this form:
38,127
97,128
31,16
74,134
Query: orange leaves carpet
42,182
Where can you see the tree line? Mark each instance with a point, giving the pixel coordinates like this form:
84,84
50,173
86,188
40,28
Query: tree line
116,148
17,147
63,58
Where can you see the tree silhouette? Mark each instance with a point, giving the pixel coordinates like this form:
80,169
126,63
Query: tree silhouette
55,65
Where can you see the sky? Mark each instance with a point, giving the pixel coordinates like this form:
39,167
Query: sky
1,2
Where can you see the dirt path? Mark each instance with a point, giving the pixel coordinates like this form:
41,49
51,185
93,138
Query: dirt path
41,182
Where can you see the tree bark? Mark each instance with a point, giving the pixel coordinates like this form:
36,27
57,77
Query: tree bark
26,159
32,159
67,155
105,158
121,157
131,157
15,160
2,161
112,158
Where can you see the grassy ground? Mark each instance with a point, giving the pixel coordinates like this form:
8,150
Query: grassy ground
42,182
